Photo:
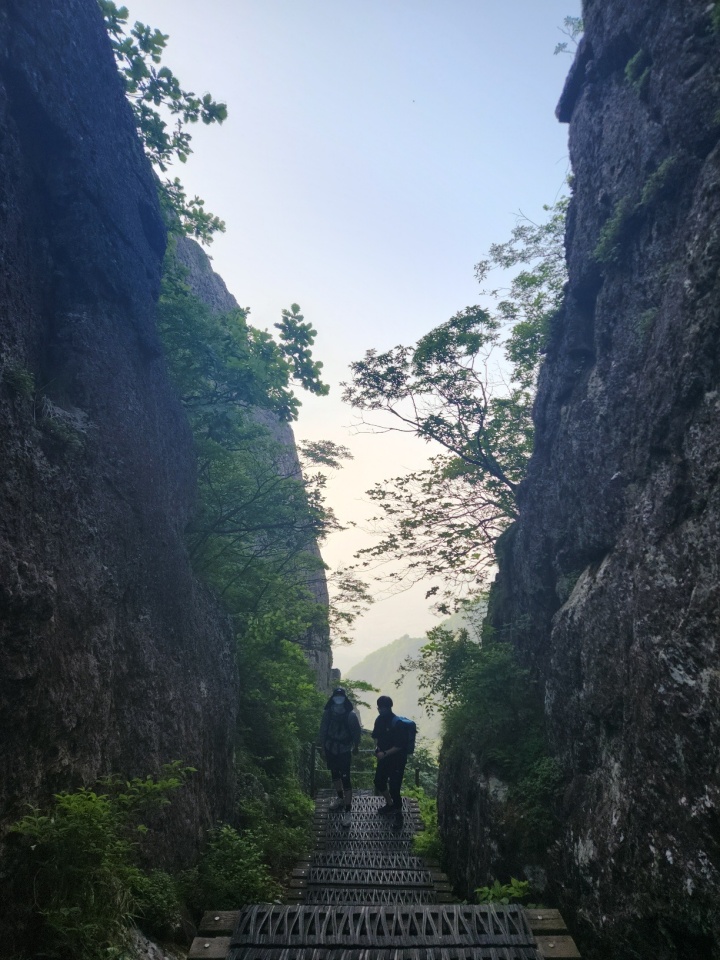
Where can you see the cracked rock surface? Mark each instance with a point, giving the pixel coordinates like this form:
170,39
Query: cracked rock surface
610,581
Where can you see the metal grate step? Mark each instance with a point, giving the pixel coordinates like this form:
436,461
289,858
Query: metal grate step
369,859
357,845
364,830
358,859
339,876
417,953
369,804
385,927
376,896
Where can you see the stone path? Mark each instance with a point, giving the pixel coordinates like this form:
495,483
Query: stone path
364,895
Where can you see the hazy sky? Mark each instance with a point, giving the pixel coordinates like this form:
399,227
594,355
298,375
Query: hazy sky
374,149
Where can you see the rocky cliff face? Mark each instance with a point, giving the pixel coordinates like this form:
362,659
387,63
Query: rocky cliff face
112,656
609,582
209,287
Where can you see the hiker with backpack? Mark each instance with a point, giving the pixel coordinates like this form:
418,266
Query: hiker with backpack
339,739
395,740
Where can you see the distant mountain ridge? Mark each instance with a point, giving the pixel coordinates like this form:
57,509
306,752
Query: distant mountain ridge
381,669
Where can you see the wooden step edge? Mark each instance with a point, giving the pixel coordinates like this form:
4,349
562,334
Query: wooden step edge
213,948
551,946
542,920
215,922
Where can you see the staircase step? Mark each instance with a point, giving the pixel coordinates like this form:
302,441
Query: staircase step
367,803
354,877
410,953
558,947
382,926
218,921
369,896
357,846
213,948
367,859
543,920
366,830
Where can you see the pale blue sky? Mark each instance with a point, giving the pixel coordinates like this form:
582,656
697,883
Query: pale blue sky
372,153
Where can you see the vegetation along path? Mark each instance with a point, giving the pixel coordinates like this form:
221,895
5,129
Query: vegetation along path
364,895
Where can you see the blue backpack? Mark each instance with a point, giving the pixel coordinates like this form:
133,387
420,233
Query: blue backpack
411,730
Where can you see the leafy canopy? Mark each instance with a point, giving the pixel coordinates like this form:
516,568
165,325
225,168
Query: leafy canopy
152,88
573,28
257,519
467,388
220,363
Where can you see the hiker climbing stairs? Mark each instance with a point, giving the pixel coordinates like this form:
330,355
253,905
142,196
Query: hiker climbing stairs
364,895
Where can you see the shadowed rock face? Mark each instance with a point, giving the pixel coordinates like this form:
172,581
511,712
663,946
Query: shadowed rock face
210,288
112,656
609,582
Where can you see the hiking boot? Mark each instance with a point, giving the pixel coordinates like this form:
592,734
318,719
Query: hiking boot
387,809
346,820
337,804
397,823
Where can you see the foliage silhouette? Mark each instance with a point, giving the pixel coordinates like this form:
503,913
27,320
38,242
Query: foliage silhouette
149,86
467,388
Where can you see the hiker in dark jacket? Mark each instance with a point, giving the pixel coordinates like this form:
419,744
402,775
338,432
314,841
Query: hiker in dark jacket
391,750
340,738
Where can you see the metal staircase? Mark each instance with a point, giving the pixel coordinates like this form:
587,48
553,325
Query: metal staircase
364,895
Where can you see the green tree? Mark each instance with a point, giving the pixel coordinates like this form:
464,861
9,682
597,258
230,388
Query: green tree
491,705
572,28
152,88
466,388
220,363
258,517
442,665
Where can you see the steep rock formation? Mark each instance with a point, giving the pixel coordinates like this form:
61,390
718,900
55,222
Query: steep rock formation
112,656
210,288
609,582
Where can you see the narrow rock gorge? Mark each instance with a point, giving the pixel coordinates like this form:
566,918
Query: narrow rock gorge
608,583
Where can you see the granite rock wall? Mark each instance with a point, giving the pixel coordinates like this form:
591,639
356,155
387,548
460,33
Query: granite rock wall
112,656
609,583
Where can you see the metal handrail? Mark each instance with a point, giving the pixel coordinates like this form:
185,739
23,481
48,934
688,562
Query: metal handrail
316,749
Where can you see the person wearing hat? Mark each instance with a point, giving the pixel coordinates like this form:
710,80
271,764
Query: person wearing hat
340,738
